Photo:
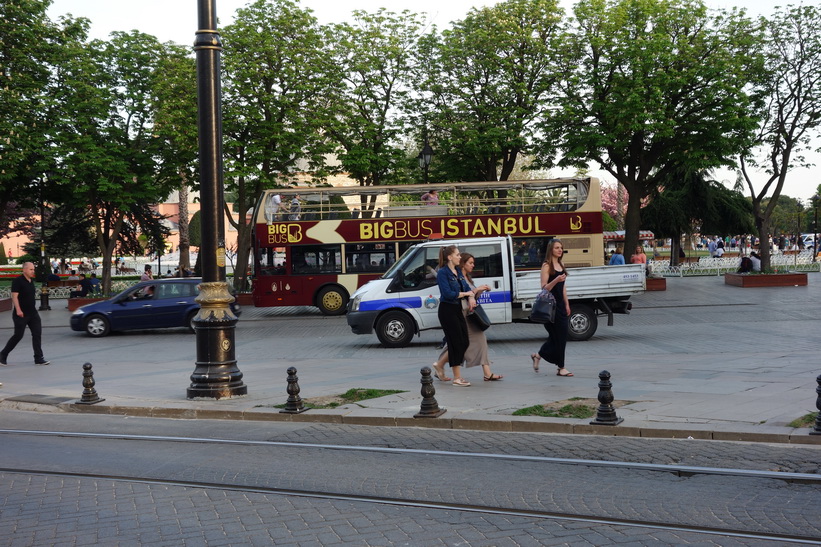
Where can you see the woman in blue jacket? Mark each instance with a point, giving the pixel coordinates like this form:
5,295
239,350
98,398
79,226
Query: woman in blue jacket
454,293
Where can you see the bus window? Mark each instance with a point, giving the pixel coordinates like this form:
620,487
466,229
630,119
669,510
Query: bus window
272,261
314,259
369,257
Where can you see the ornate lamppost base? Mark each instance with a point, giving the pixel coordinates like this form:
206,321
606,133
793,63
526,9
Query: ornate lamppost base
216,375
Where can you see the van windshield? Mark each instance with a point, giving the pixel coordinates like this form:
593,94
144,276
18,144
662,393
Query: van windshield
399,263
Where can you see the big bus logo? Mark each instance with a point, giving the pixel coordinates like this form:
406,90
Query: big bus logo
576,223
284,233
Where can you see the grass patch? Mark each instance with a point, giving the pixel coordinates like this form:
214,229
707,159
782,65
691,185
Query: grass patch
580,408
567,411
808,420
353,395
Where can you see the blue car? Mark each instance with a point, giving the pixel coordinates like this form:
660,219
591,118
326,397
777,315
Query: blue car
155,304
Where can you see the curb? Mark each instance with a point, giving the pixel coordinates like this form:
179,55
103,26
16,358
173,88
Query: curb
513,424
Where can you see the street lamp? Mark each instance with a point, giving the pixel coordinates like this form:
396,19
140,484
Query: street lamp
216,375
814,200
425,157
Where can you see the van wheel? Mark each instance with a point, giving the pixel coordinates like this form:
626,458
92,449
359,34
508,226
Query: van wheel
583,322
395,329
332,300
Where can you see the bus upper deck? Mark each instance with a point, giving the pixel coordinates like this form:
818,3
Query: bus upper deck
454,199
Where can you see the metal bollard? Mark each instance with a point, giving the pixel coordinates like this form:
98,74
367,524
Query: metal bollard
294,404
90,396
44,305
430,408
606,414
817,429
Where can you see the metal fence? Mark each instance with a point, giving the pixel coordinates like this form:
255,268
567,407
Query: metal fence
800,262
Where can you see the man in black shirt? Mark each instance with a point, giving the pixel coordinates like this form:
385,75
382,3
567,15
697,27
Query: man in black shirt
24,313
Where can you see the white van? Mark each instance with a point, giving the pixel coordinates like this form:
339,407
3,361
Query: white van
405,300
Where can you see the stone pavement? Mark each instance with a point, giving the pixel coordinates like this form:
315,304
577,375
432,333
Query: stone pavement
701,360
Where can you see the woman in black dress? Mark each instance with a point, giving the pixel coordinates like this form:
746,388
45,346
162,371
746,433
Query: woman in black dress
553,278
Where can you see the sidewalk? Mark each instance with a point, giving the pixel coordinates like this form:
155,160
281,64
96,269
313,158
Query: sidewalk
701,360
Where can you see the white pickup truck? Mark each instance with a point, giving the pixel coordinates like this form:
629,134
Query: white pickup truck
404,301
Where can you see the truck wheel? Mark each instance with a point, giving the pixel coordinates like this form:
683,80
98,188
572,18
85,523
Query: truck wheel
395,329
583,322
332,300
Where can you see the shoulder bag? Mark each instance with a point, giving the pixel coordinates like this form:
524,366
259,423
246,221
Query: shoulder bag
480,318
544,308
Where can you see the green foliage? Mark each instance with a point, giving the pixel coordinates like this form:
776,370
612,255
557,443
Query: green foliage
26,258
194,230
3,258
689,202
373,59
486,82
807,420
789,110
652,86
578,411
609,224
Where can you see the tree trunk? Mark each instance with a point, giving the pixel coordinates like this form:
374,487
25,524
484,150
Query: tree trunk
185,241
244,235
763,227
632,221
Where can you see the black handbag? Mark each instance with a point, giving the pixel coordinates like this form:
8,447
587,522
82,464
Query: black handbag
544,308
480,318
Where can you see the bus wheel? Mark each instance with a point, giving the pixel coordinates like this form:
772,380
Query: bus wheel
395,329
583,322
332,300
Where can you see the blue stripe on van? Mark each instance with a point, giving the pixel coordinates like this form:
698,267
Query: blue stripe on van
377,305
497,297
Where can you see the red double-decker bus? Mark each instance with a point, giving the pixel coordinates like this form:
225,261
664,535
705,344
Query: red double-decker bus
316,246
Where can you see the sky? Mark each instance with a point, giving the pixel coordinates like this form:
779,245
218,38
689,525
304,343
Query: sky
176,21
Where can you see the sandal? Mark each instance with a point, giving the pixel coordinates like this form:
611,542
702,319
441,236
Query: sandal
440,374
493,378
461,382
559,373
535,357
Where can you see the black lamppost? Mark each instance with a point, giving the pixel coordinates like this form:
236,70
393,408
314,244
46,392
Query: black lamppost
814,200
216,375
424,157
44,266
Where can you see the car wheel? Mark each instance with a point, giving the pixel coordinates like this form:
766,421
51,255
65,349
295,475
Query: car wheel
395,329
97,326
583,322
332,300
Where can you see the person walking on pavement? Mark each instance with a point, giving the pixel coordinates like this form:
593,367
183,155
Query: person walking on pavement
553,278
477,352
24,314
455,293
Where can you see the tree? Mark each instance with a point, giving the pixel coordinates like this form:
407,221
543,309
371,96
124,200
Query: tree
688,201
486,82
29,46
791,113
277,78
176,125
374,58
107,150
652,86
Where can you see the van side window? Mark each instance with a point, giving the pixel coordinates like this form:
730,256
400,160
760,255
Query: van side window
488,259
